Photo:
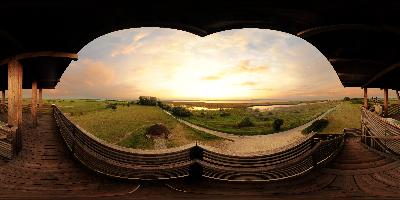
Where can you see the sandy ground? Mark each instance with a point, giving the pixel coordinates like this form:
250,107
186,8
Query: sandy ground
257,143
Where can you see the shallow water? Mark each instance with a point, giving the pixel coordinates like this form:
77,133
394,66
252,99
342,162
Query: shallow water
271,107
202,108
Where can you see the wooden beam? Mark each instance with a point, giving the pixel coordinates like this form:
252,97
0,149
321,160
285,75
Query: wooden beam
352,60
337,27
385,101
34,103
366,98
14,93
53,54
382,73
3,101
40,98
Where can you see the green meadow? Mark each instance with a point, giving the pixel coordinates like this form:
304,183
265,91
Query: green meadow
126,125
228,120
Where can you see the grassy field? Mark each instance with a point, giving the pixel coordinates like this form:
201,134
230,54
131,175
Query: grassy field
228,122
126,126
347,115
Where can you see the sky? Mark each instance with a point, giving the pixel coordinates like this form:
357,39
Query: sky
173,64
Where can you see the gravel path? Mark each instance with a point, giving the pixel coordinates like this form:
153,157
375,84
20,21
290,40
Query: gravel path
257,143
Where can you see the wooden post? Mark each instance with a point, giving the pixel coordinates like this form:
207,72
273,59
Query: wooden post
14,93
34,103
385,101
3,98
365,98
40,98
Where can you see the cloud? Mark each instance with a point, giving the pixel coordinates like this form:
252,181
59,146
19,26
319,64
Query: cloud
94,79
248,83
132,46
235,64
212,77
245,66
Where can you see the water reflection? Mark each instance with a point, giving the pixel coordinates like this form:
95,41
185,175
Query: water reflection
270,107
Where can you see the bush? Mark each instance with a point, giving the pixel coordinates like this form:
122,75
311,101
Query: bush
131,103
316,126
357,101
164,106
277,124
112,106
246,122
224,114
181,111
346,99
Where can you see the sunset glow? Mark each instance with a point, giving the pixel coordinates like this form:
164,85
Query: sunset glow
172,64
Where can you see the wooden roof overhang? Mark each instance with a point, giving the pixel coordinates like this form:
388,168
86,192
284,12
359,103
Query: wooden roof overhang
359,37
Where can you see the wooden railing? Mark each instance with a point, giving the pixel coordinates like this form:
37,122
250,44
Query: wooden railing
292,162
122,162
380,133
10,142
193,159
394,109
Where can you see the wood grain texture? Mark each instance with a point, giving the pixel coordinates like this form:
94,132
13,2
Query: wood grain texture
14,93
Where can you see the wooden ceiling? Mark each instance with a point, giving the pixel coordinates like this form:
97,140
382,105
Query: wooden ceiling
359,37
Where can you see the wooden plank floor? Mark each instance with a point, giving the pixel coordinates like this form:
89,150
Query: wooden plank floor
46,170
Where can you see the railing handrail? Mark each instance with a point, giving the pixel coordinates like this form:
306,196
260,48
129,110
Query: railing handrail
124,162
382,119
380,133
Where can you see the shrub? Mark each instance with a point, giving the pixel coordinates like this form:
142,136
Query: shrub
224,114
181,111
277,124
316,126
131,103
346,99
246,122
112,106
164,106
264,118
357,101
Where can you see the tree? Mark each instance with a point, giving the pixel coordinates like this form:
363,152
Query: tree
147,100
181,111
277,124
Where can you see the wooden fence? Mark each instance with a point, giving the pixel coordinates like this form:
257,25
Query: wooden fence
380,133
194,159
